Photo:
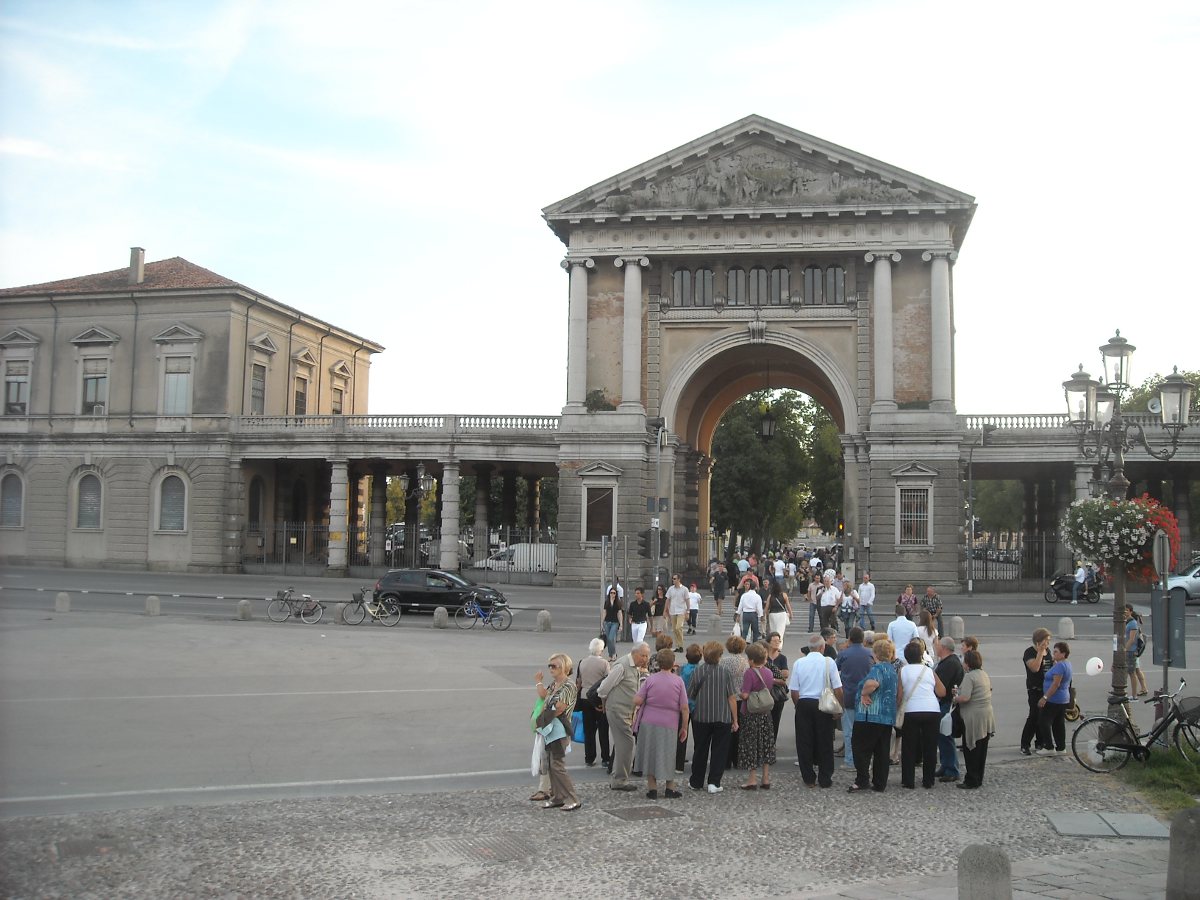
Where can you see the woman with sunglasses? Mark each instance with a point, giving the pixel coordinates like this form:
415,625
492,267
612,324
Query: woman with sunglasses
559,702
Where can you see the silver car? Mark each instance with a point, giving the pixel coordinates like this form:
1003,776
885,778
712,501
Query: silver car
1186,581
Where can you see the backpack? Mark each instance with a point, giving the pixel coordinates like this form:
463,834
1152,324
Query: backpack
1140,647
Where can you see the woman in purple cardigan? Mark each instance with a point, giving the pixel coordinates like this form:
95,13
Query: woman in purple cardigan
661,723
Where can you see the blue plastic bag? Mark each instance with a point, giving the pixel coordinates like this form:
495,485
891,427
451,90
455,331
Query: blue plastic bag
577,727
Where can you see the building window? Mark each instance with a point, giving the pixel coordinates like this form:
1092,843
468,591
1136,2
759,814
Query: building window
12,501
681,288
599,506
258,389
16,387
172,504
258,500
781,286
301,393
704,287
95,387
913,512
177,386
835,285
735,287
758,286
88,507
336,401
813,294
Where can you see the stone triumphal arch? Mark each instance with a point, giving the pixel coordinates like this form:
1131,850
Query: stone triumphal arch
759,256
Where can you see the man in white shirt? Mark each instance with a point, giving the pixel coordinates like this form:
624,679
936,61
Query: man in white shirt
677,607
866,602
901,630
1081,575
780,568
814,729
831,599
750,610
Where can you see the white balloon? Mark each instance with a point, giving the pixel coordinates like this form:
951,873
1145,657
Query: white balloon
1095,665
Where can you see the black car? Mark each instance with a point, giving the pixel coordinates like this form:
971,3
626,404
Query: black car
427,589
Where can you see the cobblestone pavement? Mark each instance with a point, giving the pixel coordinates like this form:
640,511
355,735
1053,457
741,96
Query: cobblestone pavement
790,842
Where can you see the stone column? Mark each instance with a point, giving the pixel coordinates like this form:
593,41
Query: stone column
508,501
449,521
338,509
235,517
881,329
378,522
533,507
631,337
1181,506
483,489
1083,480
941,328
577,327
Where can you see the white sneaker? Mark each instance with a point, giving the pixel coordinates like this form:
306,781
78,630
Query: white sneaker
715,789
1060,752
1074,602
1043,752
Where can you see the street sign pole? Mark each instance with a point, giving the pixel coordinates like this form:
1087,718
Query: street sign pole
1162,565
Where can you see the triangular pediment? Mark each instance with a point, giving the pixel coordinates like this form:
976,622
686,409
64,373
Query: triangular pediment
914,469
178,333
339,369
19,337
752,165
599,468
264,343
95,335
304,357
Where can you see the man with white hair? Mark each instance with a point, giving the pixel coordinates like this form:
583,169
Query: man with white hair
617,690
831,599
814,729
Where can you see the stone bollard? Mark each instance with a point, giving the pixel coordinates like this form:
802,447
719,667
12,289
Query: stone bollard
984,873
152,606
441,618
543,620
714,625
244,613
339,613
1183,858
1066,628
957,629
62,602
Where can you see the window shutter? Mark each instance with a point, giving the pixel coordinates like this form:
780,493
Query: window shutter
11,491
88,514
172,504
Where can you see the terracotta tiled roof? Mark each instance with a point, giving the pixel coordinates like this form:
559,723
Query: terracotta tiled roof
165,275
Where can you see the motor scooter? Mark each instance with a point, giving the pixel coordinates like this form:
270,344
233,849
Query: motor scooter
1063,585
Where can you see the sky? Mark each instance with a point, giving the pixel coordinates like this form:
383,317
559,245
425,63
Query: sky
383,165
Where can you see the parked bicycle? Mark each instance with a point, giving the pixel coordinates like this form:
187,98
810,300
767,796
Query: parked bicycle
362,605
286,605
497,614
1104,744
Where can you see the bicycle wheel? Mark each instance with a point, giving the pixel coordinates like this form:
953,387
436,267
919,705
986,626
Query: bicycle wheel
501,619
1186,738
1101,744
354,613
464,617
279,611
310,613
389,613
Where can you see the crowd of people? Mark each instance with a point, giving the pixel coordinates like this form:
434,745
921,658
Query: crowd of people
908,696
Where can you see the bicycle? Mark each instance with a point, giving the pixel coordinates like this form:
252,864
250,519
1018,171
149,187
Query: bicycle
385,611
286,604
1104,744
498,615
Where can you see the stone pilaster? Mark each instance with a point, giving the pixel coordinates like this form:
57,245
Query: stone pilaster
631,335
941,328
378,521
577,328
235,517
450,517
339,485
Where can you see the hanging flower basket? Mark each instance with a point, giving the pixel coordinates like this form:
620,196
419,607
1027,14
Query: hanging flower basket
1120,532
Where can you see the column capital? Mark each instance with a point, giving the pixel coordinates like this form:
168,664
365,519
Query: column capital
890,255
643,261
585,261
930,255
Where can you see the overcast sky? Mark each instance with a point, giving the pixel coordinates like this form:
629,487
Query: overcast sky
383,165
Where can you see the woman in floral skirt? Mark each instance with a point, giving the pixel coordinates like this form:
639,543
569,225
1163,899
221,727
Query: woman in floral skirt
756,745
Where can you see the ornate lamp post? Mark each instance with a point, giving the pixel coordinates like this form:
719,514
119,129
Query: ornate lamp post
1094,411
412,508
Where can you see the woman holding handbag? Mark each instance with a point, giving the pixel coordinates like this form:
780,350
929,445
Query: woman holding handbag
554,725
756,744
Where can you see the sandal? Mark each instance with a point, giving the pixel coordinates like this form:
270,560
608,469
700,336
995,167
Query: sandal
765,786
855,788
540,795
749,787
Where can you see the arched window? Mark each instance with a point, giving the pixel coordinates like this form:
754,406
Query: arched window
172,504
835,285
258,499
781,286
704,287
12,501
735,287
758,286
681,288
88,507
812,286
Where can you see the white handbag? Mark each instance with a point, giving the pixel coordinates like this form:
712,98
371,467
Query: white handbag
829,701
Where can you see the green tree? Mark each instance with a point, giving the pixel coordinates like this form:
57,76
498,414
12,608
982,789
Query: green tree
999,505
1140,396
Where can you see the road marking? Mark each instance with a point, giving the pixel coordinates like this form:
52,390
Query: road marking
257,694
278,785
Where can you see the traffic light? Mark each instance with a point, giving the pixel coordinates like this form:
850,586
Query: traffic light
644,544
841,530
664,544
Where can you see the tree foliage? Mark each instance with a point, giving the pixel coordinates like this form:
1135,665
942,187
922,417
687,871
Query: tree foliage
1140,396
999,505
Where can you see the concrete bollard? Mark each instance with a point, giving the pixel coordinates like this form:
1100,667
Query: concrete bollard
62,602
1183,858
957,629
152,606
441,618
339,613
543,620
984,873
1066,628
244,612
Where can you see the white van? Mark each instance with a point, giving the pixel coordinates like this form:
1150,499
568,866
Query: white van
524,558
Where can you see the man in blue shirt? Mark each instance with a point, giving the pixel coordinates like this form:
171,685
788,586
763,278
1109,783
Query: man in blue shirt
853,662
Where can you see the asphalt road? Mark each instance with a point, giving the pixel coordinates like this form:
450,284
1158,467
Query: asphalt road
104,707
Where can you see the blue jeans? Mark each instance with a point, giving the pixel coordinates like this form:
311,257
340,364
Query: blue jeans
947,752
610,637
812,616
750,624
864,613
848,733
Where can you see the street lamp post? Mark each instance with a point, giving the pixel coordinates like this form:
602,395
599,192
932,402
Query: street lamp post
1094,410
412,527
